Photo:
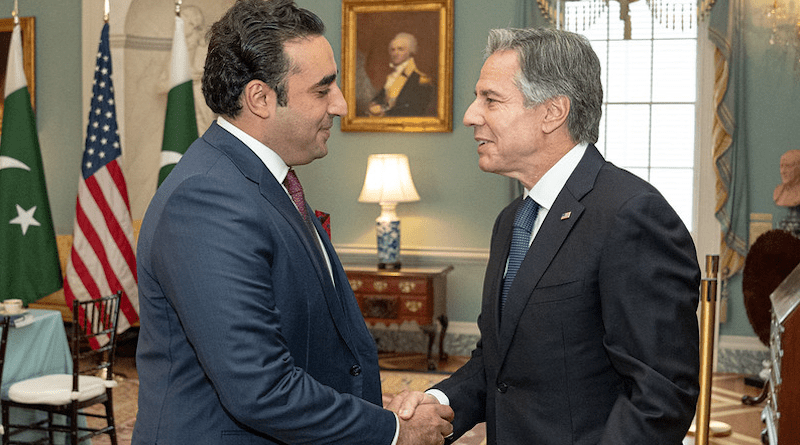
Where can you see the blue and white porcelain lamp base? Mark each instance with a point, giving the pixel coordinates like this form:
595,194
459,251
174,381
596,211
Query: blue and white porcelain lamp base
387,229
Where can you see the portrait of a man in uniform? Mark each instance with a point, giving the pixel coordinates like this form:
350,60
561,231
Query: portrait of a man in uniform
397,63
407,90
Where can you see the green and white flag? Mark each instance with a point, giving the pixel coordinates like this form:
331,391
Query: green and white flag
180,124
29,267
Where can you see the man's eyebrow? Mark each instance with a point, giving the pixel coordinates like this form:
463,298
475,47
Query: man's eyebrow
327,80
486,92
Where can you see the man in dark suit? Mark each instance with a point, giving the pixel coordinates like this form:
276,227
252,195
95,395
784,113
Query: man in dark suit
407,90
594,339
250,333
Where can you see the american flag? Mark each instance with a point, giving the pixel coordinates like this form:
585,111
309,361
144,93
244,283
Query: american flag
102,259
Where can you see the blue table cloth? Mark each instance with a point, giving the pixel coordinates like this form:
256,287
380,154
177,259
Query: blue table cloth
36,346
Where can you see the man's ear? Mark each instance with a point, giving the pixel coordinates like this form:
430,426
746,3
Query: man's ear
259,98
556,113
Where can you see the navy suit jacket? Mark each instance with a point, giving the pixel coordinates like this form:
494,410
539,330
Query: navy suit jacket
244,338
599,339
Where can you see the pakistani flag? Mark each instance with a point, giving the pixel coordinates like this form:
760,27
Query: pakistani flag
180,125
29,267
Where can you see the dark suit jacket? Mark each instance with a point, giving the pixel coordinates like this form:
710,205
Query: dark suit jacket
244,338
599,337
415,99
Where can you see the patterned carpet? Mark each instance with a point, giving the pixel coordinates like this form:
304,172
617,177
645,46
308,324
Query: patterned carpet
726,403
125,399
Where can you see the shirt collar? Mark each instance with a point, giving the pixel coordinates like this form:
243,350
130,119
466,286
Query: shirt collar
546,190
271,160
402,66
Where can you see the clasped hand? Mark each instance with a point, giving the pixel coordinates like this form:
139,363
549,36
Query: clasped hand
423,420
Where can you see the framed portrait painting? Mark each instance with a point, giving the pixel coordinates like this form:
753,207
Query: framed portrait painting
28,32
397,65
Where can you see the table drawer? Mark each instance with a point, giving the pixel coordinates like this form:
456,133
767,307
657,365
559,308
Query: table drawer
396,307
388,285
379,306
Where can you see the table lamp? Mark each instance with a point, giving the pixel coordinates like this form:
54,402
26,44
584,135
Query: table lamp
388,181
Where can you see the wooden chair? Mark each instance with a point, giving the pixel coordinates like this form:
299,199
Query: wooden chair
5,323
93,345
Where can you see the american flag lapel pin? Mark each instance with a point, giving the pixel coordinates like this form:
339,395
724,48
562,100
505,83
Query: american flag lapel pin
565,215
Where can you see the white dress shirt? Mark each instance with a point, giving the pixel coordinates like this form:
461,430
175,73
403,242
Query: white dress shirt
275,165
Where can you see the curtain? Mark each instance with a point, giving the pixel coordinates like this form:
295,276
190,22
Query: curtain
726,31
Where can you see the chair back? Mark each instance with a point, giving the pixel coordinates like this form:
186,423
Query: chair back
94,322
5,324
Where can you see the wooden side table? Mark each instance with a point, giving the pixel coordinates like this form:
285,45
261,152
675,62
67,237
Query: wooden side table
412,294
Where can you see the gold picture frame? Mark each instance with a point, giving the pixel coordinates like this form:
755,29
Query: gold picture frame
422,100
28,30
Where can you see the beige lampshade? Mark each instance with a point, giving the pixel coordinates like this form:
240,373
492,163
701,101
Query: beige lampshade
388,180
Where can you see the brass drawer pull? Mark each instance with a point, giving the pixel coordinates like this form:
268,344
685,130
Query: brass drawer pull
413,306
407,287
355,284
380,286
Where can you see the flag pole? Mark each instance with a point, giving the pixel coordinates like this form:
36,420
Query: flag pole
178,7
15,12
106,11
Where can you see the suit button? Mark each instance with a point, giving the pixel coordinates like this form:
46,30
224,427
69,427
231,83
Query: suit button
355,370
502,388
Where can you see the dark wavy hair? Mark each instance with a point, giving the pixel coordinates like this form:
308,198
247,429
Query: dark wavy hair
247,43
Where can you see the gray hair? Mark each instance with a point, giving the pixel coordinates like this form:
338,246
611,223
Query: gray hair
412,41
556,63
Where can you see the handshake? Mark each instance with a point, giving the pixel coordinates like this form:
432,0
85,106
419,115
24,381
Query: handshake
423,420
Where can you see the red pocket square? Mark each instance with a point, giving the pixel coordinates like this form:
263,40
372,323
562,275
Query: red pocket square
325,220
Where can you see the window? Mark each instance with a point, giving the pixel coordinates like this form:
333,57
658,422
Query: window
649,86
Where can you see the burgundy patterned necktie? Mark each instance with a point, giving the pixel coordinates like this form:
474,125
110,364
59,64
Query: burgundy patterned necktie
292,184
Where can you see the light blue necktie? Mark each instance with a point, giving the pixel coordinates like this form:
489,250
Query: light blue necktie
520,242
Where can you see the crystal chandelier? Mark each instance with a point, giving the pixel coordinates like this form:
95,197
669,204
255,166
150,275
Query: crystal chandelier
669,13
782,21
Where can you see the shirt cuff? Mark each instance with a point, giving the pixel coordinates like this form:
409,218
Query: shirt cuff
440,396
396,430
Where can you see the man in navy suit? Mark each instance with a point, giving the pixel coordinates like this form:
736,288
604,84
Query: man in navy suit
250,333
595,340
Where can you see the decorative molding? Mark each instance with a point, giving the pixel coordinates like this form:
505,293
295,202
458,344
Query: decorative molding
463,328
460,339
741,342
116,41
147,43
741,354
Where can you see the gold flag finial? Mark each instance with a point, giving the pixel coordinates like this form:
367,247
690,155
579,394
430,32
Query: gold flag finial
178,7
105,12
15,12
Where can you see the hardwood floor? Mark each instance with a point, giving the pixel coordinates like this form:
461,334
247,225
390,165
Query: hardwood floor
727,407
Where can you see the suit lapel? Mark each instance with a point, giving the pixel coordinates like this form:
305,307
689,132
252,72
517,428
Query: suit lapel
255,170
561,218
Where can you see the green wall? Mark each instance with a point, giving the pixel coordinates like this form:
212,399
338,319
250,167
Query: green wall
458,202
